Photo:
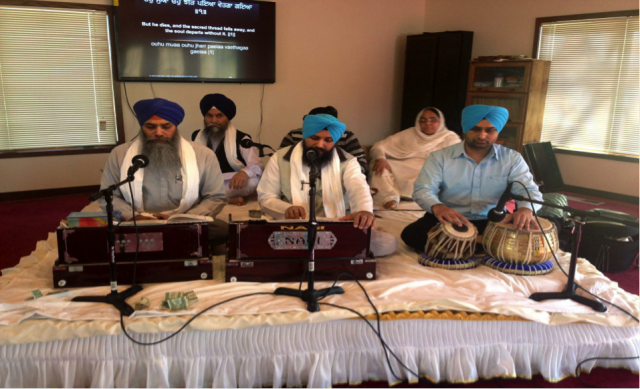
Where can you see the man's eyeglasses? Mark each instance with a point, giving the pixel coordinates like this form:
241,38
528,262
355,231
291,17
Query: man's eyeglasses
430,120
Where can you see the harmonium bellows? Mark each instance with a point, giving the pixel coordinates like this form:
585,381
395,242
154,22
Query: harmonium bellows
166,253
277,251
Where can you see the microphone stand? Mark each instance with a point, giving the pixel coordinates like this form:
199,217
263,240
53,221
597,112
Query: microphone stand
569,291
310,295
115,298
261,149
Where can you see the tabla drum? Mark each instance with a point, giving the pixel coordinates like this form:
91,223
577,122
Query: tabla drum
448,241
503,242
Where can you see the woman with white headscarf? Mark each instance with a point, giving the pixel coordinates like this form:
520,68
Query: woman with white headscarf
396,161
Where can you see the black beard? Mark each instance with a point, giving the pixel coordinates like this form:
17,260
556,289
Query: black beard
323,157
163,156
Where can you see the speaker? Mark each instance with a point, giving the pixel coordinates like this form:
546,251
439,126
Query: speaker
544,166
610,246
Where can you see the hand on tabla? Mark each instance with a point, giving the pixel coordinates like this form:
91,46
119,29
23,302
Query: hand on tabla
522,218
448,215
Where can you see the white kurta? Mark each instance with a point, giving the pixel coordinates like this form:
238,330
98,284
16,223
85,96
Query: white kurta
406,152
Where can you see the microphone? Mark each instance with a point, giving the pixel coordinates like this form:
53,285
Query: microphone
312,155
498,213
248,143
138,162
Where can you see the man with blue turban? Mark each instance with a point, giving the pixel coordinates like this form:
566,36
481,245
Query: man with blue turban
241,166
461,183
341,191
182,177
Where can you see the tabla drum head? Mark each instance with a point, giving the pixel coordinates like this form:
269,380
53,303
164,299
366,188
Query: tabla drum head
471,231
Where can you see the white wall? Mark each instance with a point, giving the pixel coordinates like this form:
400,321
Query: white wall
349,54
505,27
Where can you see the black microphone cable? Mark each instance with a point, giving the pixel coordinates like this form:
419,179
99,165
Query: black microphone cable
577,372
188,321
535,214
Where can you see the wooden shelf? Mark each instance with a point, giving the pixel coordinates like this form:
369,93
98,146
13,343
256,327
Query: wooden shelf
520,87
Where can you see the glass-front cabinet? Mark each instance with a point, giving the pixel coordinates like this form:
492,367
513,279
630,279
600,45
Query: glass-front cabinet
520,86
500,77
514,103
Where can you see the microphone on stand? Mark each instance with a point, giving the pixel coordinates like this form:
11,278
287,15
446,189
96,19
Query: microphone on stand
312,155
248,143
498,213
138,162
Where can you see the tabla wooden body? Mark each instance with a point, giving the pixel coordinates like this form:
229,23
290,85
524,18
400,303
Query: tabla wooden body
444,242
502,241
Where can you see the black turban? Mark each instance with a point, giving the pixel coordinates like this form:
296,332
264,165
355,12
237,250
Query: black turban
219,101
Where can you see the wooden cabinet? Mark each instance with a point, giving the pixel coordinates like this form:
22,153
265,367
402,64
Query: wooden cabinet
520,86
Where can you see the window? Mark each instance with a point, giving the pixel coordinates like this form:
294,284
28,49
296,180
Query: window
56,85
592,100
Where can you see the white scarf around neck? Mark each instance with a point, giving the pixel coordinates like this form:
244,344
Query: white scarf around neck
332,196
230,146
412,142
189,171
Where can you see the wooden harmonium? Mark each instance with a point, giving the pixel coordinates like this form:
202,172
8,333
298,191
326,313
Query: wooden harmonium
160,242
147,272
265,251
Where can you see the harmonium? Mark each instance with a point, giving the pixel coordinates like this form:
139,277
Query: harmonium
170,252
277,251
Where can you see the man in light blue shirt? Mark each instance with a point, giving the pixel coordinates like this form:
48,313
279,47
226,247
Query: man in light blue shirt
461,183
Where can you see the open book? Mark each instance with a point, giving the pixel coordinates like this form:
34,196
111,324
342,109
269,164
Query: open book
173,219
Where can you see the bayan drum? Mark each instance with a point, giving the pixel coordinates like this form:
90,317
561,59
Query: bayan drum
509,245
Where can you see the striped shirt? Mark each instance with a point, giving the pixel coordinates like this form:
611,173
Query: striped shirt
348,142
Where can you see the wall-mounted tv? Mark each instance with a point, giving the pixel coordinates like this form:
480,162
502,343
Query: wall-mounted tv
196,41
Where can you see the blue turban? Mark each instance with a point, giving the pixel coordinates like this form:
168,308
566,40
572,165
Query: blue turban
313,124
165,109
221,102
474,114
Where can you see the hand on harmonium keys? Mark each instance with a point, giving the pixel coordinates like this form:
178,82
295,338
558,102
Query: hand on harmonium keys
295,212
522,219
362,219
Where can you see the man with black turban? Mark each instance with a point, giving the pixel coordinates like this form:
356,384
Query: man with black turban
241,167
182,176
342,189
461,183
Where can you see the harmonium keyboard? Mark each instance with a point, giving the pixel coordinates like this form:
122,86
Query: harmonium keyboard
166,253
277,251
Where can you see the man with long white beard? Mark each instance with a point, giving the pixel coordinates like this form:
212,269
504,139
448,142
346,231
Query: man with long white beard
342,187
182,177
241,167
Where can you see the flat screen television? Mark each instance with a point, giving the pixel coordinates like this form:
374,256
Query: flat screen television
196,41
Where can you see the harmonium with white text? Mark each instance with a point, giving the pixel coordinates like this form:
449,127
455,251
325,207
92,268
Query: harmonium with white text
277,251
165,253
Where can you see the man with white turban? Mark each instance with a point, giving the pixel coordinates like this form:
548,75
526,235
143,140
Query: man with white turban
342,191
396,160
461,183
182,176
241,167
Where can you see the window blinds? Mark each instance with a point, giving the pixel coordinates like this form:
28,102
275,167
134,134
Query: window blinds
592,100
56,88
